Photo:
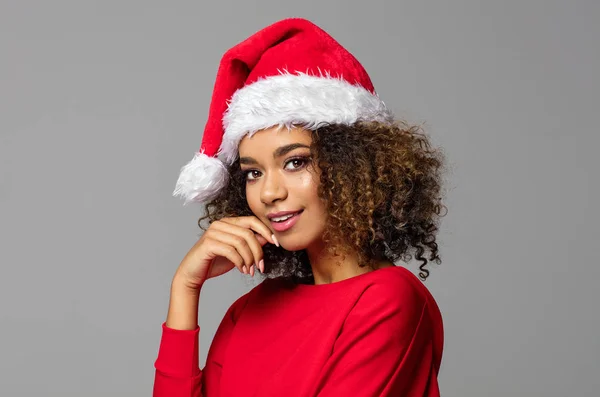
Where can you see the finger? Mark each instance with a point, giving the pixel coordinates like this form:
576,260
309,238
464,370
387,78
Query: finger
254,241
218,248
261,240
238,241
252,222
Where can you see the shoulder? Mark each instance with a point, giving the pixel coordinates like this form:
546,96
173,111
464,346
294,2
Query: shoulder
396,286
397,295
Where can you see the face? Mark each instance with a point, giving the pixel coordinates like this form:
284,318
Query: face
281,177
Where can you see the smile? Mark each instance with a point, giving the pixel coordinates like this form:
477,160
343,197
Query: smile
285,222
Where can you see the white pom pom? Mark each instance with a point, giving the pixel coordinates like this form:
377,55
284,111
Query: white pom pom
201,179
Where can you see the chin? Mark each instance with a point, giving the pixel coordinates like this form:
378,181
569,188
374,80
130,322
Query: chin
291,244
295,242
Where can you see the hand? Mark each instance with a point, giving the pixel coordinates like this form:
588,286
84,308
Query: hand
227,243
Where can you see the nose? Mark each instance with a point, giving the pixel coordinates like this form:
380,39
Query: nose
273,188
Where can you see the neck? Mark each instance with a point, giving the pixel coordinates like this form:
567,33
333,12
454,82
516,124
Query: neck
328,269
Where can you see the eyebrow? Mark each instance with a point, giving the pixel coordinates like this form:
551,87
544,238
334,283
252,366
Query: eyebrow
280,151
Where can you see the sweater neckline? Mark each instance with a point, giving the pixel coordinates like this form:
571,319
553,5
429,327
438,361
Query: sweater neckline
347,281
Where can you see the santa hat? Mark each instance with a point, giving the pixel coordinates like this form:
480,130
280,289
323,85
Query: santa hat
289,73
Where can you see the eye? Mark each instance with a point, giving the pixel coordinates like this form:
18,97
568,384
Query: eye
298,162
248,173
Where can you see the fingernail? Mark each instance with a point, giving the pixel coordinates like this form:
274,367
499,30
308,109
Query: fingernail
275,240
252,271
244,269
262,265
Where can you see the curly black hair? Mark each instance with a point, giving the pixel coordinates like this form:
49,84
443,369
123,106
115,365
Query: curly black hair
382,184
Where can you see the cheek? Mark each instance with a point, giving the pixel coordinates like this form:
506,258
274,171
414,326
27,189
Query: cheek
310,193
252,198
306,187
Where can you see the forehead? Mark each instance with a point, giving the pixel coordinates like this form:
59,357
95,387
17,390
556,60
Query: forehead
265,141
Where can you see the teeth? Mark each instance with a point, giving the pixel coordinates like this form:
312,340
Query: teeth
283,218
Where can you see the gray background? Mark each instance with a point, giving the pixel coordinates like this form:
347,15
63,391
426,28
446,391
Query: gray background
103,101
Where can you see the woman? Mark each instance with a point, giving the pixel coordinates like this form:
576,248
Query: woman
319,189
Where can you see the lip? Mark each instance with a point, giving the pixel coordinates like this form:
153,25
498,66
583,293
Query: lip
288,224
281,213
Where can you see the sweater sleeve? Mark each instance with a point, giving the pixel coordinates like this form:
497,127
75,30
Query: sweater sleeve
385,348
177,372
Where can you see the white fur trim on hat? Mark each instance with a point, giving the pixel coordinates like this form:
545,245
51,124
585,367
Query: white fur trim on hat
201,179
296,99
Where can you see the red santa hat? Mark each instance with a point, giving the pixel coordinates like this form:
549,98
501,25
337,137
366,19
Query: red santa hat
291,73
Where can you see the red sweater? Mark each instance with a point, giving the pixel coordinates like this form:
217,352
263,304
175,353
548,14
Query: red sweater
376,334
